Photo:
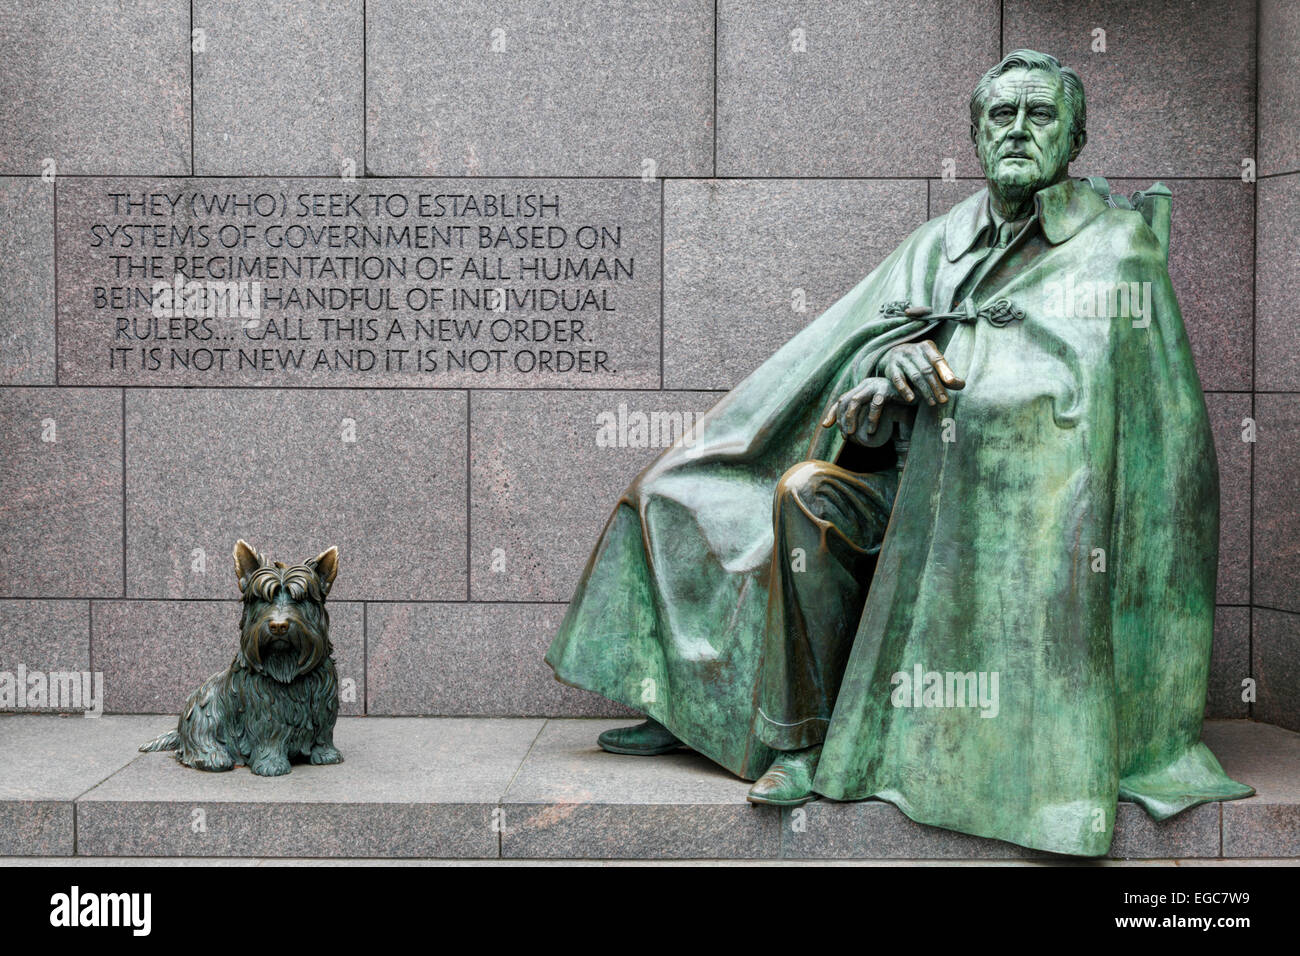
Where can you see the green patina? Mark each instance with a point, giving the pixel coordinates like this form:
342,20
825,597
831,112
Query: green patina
1053,534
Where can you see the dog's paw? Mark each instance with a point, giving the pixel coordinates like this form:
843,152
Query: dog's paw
325,755
270,765
217,761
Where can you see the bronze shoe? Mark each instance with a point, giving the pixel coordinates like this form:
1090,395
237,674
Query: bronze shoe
647,739
788,782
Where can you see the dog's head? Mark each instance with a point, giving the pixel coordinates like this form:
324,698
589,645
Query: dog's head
284,631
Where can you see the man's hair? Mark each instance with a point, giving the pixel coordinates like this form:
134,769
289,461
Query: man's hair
1033,60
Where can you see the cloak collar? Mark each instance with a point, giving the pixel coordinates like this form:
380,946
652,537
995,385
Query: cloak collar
1061,210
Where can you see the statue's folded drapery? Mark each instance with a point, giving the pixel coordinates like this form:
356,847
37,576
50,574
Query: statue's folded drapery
1058,531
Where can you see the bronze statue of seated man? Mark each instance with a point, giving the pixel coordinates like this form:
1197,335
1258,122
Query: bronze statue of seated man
1007,635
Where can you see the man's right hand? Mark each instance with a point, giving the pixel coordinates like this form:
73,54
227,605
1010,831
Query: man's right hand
870,392
919,365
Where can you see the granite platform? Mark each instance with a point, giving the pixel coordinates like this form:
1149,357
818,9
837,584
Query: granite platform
531,789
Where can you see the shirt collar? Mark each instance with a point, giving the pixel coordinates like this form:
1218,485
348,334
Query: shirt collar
1061,211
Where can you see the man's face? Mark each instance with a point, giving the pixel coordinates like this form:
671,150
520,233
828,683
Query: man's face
1023,134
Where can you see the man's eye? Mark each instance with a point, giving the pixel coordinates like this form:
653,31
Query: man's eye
1043,116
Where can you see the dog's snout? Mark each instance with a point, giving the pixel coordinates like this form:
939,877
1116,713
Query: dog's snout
278,628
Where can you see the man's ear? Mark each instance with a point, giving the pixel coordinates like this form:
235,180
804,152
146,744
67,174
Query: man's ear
246,562
326,566
974,134
1077,142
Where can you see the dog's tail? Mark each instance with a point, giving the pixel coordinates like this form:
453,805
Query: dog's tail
168,741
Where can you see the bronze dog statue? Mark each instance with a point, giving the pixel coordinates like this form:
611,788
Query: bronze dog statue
279,699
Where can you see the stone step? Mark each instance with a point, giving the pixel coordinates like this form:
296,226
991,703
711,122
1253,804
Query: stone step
529,788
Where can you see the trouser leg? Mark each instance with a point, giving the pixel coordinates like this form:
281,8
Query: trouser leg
828,524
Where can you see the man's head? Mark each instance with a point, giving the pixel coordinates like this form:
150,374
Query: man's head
1027,122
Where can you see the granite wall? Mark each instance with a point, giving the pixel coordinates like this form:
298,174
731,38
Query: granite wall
1275,512
761,158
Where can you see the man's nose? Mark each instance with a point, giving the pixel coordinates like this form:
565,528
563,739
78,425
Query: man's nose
1018,129
278,628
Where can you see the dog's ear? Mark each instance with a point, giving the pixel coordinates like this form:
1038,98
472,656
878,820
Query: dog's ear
246,562
326,565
